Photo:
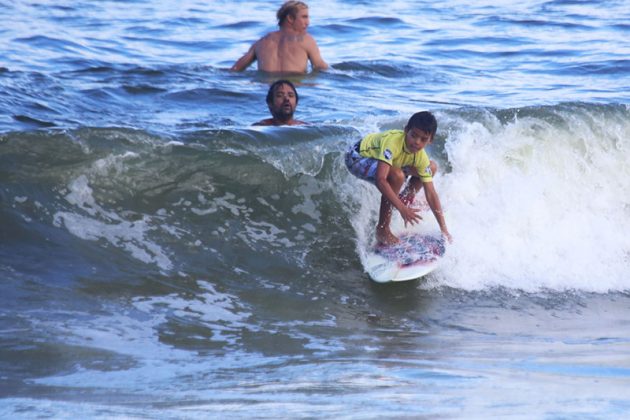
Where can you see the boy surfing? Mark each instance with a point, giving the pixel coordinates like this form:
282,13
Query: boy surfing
387,159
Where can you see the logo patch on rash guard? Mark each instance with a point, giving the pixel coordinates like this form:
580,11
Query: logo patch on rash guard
427,171
388,154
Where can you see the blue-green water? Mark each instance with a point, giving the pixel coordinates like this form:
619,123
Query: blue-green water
161,258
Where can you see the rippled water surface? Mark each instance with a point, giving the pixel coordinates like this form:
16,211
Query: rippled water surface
161,258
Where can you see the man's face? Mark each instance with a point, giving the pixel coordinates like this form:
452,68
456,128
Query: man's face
300,21
283,102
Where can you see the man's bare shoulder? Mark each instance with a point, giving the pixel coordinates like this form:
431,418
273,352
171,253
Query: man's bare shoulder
272,122
295,38
309,42
268,121
308,37
271,37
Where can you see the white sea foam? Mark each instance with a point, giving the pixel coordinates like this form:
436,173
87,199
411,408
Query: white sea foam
536,205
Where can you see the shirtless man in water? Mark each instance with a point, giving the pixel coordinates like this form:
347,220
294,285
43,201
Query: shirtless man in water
282,100
287,50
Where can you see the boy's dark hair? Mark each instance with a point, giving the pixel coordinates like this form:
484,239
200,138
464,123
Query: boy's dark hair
272,90
424,121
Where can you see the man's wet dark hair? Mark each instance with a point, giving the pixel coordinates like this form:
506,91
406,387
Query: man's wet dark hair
276,84
424,121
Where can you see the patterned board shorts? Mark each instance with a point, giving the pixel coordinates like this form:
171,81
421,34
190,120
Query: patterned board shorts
364,167
360,166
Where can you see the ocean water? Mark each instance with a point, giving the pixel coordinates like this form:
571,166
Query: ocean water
161,258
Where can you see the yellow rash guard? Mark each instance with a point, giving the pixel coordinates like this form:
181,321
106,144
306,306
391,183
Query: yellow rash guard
389,147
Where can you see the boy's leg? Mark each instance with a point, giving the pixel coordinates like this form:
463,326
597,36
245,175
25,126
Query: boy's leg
408,195
414,185
434,167
384,235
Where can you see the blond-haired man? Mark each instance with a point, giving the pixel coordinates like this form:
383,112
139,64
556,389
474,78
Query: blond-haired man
287,50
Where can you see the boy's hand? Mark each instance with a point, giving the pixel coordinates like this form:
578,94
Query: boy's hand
448,236
410,215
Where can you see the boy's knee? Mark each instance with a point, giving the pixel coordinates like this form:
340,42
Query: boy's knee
396,176
433,166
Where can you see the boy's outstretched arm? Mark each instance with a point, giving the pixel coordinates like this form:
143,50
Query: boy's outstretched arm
436,207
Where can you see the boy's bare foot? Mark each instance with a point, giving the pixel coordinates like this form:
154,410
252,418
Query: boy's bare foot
386,237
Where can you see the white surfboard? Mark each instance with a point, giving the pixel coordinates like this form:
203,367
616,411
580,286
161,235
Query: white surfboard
415,256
